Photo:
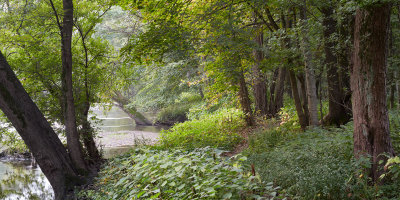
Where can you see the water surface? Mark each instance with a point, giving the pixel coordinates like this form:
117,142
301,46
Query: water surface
19,180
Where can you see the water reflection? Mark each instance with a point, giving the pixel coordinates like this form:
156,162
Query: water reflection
19,180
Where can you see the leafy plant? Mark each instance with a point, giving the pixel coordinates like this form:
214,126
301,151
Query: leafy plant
177,112
311,165
177,174
219,129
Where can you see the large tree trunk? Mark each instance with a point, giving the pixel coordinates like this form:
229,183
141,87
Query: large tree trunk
368,85
74,146
36,132
309,70
259,88
337,112
245,100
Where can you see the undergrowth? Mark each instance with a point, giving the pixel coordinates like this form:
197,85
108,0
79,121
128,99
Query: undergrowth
177,112
177,174
219,129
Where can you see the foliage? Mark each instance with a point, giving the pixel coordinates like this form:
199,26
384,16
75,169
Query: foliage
176,174
177,112
394,117
11,141
288,116
219,129
392,178
311,165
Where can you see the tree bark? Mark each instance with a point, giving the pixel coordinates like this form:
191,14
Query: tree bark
259,88
368,85
309,70
344,59
245,100
86,133
278,93
74,146
304,100
272,92
337,112
36,132
297,101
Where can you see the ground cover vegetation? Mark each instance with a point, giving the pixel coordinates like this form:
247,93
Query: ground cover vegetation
268,99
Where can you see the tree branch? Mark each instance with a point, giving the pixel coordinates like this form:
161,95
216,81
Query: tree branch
55,13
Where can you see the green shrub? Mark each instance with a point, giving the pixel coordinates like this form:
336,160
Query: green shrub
311,165
199,174
267,140
394,116
11,142
216,130
288,116
391,189
203,108
177,112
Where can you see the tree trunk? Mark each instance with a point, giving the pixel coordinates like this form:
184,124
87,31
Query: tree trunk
344,59
36,132
368,85
272,92
337,112
304,97
74,146
259,88
245,100
309,70
86,133
278,93
297,101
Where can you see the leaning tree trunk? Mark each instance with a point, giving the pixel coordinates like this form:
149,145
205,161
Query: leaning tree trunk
74,146
245,100
122,102
36,132
259,88
309,70
368,85
337,112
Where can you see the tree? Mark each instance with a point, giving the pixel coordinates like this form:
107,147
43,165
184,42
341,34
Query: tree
74,146
337,112
309,68
36,132
368,85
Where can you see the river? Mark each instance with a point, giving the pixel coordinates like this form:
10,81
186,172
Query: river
117,133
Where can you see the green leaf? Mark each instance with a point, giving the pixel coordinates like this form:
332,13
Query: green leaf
227,195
